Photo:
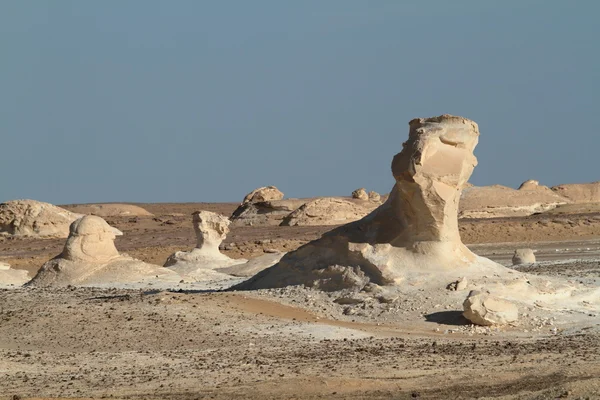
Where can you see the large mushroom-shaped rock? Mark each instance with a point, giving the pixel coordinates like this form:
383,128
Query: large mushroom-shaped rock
413,232
35,219
329,211
484,309
374,197
265,193
109,210
501,201
11,277
523,256
206,262
579,193
90,258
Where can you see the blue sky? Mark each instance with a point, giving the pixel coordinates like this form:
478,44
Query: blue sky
173,101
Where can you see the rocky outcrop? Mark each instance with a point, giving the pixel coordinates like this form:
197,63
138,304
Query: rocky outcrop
109,210
35,219
501,201
329,211
266,213
360,194
90,258
262,194
11,277
484,309
579,193
523,256
206,262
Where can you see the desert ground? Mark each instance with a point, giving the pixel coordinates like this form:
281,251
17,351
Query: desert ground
290,343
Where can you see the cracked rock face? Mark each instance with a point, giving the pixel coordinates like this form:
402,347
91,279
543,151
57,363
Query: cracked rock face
90,258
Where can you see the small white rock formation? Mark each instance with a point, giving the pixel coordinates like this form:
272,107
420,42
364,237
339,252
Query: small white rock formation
206,262
360,194
35,219
265,193
500,201
374,197
484,309
11,277
211,229
329,211
579,193
90,258
109,210
266,213
523,256
411,244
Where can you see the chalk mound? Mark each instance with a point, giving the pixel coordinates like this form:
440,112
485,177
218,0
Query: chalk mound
411,243
11,277
265,213
579,193
329,211
109,210
523,256
35,219
265,193
501,201
206,262
90,258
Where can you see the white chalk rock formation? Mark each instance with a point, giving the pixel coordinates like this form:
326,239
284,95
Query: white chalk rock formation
35,219
523,256
484,309
415,231
90,258
206,262
500,201
109,210
360,194
329,211
266,213
579,193
374,197
10,277
266,193
411,243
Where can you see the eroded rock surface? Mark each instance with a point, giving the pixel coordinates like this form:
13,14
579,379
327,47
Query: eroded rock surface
90,258
266,193
484,309
523,256
360,194
269,213
329,211
35,218
109,210
11,277
501,201
579,193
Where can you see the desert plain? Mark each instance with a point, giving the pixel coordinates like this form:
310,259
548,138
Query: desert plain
222,339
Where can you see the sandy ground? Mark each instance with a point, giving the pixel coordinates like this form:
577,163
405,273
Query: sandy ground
290,343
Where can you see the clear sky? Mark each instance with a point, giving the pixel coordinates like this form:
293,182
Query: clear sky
150,101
